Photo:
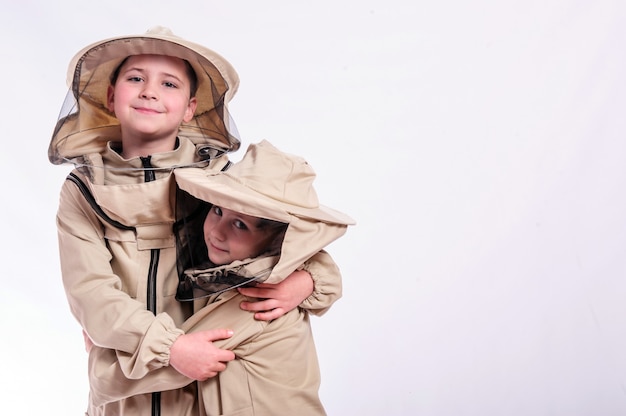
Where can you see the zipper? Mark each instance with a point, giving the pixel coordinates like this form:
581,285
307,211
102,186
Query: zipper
151,295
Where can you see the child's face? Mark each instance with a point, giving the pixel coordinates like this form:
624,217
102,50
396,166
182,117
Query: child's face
231,236
150,98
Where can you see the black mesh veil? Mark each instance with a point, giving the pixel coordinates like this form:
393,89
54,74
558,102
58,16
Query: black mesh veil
199,277
86,125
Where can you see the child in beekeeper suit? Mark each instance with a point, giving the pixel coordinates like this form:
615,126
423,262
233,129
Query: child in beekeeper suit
263,220
141,107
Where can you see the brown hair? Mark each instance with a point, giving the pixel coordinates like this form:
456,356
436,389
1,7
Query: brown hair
277,230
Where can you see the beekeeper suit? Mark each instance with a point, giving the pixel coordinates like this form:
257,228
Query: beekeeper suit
276,370
117,220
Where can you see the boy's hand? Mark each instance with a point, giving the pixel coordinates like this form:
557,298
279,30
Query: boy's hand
279,298
194,355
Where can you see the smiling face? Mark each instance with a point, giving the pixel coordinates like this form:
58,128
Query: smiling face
151,98
231,236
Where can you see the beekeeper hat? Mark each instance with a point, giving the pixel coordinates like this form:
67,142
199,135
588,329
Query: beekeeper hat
85,124
265,183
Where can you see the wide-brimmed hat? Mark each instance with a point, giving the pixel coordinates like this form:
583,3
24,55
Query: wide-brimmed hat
265,183
271,184
86,124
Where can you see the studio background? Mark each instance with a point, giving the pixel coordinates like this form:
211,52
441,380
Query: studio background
479,145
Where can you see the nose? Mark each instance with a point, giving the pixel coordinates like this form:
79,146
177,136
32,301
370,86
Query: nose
217,231
148,91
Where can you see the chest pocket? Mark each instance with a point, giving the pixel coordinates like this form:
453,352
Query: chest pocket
147,237
132,246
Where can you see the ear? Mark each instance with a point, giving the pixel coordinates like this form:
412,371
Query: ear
191,109
110,98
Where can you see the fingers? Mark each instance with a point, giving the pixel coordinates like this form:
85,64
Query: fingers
274,300
259,306
220,355
218,368
217,334
225,356
217,363
259,291
269,315
266,310
195,356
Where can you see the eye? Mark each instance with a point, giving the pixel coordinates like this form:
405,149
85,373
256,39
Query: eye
217,210
240,225
134,79
170,84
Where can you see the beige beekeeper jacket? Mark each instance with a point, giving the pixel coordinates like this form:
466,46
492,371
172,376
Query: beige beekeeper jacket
276,370
114,274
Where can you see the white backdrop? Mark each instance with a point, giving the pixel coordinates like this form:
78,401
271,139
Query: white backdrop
479,145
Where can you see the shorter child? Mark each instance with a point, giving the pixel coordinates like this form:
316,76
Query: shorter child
264,221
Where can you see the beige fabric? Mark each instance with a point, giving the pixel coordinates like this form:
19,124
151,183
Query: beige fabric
88,125
265,183
261,381
271,184
181,402
104,273
105,269
276,371
328,287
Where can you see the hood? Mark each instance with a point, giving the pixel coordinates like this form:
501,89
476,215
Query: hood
86,125
302,239
266,183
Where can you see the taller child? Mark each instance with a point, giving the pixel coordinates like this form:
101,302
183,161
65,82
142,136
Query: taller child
141,106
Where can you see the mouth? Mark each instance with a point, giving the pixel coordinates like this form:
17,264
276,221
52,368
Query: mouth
145,110
213,247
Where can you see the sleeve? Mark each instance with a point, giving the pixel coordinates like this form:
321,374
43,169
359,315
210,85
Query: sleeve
259,367
108,383
327,281
95,294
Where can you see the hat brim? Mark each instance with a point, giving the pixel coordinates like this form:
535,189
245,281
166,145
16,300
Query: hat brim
106,56
86,124
221,189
